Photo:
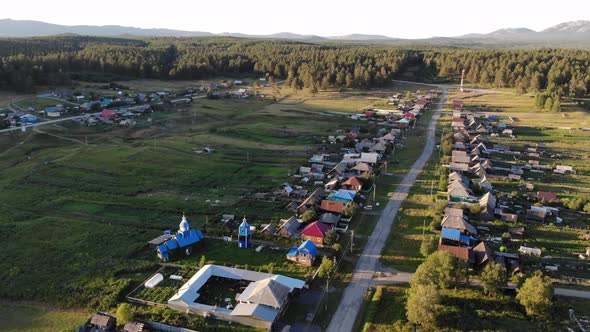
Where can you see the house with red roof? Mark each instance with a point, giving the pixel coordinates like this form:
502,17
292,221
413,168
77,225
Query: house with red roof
333,206
315,232
352,183
108,114
409,115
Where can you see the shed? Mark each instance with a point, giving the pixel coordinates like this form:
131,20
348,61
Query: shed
529,251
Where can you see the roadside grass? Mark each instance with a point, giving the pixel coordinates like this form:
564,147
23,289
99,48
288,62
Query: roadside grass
402,249
383,314
21,317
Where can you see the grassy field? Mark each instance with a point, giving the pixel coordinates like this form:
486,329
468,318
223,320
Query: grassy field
16,317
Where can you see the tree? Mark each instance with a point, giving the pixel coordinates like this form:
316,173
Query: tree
337,247
349,80
440,269
95,107
330,237
428,246
475,209
535,296
125,313
422,305
308,215
326,267
314,89
493,278
506,237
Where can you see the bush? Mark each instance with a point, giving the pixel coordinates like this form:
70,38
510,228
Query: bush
326,267
506,237
125,313
337,247
428,246
330,237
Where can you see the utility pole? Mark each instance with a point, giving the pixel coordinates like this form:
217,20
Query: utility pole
86,139
327,290
351,240
374,190
431,188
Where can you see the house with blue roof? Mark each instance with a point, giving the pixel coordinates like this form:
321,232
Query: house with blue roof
456,235
342,195
184,240
303,255
28,118
106,102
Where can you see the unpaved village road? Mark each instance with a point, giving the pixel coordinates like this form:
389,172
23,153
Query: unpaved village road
345,316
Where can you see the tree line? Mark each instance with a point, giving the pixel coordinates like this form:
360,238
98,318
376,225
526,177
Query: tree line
550,73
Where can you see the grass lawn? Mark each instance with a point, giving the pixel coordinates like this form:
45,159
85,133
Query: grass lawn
18,317
383,312
38,103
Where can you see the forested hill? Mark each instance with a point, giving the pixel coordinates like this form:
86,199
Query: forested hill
27,63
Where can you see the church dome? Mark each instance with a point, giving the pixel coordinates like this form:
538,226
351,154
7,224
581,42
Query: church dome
184,226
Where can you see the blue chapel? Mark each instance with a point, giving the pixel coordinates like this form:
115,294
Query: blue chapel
183,240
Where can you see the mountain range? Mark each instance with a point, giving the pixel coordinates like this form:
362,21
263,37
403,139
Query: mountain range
568,34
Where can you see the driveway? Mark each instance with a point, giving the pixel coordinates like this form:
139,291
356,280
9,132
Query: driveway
367,265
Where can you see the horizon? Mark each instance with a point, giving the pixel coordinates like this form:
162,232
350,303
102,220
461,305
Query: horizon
403,22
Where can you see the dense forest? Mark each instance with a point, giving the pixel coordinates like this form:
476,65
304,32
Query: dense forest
550,73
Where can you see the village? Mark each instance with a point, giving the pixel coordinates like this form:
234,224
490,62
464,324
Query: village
115,103
323,196
474,164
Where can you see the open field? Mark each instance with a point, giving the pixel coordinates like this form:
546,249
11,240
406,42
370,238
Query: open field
20,317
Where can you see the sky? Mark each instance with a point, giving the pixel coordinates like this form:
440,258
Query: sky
394,18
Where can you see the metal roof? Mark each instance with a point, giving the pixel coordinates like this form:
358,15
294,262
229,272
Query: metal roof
255,310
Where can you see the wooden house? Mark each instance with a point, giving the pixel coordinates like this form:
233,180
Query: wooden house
315,232
303,255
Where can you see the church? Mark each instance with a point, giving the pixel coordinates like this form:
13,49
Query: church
183,240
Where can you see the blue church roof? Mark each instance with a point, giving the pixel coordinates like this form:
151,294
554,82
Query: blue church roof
188,238
181,240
